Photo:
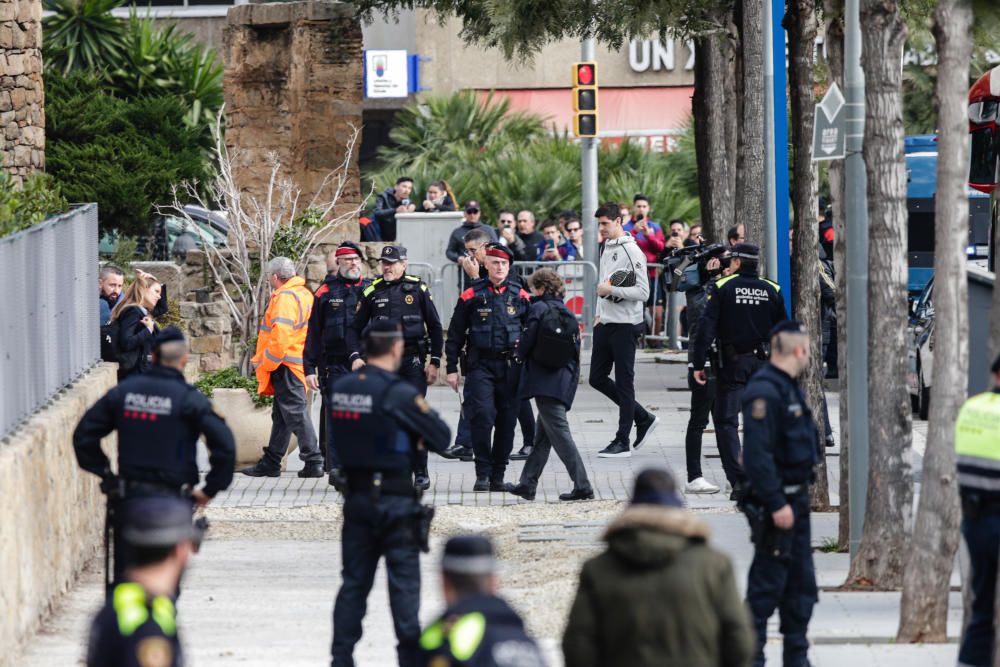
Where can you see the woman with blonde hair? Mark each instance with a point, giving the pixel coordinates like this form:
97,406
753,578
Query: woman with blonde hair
135,324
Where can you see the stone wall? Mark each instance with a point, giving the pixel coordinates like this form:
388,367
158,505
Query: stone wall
22,97
55,518
293,87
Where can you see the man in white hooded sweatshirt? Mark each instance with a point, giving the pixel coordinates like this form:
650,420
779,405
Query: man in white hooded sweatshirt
622,288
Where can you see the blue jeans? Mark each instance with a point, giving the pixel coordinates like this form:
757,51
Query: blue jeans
982,535
374,529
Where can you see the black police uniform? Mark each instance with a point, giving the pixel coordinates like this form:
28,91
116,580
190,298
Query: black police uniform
326,353
487,323
135,629
479,631
158,417
377,420
740,310
702,396
781,449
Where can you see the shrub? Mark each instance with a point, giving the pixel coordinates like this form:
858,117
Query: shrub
230,378
29,204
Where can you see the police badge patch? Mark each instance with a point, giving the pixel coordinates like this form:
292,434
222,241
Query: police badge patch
511,310
408,299
758,409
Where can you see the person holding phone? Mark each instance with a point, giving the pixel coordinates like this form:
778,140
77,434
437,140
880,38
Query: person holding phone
553,248
648,236
439,199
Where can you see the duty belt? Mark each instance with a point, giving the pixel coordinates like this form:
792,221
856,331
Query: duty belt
135,488
377,483
793,489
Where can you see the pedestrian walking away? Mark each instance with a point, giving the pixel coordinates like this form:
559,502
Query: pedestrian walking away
479,628
659,594
740,309
781,452
622,290
482,337
379,421
977,445
159,418
405,300
326,352
550,350
132,327
278,362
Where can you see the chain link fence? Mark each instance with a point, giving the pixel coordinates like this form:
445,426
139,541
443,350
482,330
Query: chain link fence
49,329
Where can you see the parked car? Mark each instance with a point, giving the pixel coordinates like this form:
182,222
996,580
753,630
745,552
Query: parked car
920,351
173,235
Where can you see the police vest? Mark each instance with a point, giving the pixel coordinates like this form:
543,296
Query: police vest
797,451
495,317
977,443
152,434
399,301
365,435
339,302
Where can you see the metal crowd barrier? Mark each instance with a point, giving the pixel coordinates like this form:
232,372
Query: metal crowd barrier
50,329
667,329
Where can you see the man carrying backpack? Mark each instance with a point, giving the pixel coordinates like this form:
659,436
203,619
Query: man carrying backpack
550,350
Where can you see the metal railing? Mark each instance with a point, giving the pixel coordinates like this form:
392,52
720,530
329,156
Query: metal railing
49,318
663,326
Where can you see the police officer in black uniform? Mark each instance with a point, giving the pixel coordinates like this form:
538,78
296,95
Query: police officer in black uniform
379,422
478,629
158,417
487,324
781,450
137,627
740,310
405,300
326,353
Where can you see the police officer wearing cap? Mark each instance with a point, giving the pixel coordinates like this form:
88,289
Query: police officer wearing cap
326,353
378,424
483,335
137,627
977,445
478,629
405,300
158,417
781,450
740,310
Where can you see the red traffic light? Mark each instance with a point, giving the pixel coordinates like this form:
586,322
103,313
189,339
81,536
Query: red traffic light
585,75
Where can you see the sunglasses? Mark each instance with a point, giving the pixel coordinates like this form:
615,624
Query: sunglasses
573,229
472,210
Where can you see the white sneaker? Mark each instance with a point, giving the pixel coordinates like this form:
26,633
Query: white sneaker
700,485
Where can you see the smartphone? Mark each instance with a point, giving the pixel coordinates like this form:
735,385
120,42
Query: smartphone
640,217
405,202
550,244
675,234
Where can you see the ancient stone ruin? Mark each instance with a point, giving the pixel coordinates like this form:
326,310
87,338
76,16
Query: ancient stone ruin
22,111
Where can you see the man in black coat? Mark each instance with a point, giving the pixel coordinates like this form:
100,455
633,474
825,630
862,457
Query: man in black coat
390,202
473,214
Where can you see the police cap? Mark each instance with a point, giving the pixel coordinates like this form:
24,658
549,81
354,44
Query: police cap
169,335
745,251
384,329
393,253
347,248
499,250
469,555
160,521
788,326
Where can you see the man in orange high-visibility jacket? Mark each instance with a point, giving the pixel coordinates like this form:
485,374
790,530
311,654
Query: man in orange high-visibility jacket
281,341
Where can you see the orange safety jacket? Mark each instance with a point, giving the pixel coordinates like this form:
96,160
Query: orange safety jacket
281,338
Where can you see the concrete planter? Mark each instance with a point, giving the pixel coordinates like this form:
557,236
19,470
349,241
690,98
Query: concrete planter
251,426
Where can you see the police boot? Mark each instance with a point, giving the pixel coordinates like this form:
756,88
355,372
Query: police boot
496,483
482,484
262,469
421,480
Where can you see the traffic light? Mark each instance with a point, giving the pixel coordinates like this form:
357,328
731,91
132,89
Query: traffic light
585,99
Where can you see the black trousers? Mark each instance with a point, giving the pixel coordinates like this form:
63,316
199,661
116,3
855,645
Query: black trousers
732,379
614,347
702,400
526,418
491,406
334,370
413,371
982,535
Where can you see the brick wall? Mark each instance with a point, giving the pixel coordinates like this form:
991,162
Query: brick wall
22,115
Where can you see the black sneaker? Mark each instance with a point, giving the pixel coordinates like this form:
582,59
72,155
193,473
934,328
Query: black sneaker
577,494
421,481
261,469
482,484
523,453
312,470
520,490
644,428
617,449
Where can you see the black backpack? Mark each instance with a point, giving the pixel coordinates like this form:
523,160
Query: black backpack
558,338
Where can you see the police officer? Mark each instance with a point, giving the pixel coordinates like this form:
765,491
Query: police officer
487,324
326,353
478,629
977,444
378,423
781,450
740,310
158,417
405,300
137,627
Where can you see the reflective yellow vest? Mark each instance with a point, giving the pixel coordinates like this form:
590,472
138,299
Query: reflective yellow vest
977,443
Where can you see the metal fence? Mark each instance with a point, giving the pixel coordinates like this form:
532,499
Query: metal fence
664,325
49,328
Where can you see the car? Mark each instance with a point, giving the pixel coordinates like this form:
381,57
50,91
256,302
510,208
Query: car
173,234
920,350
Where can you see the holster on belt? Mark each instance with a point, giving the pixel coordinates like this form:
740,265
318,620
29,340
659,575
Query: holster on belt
768,539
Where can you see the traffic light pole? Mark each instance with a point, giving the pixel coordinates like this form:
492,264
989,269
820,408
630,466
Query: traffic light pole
588,174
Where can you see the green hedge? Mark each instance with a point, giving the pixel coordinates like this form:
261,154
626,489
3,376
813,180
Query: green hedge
230,378
22,207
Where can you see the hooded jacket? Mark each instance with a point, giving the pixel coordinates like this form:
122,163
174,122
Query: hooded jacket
626,303
659,595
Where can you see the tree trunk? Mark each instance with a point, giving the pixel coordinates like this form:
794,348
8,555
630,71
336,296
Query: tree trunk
833,13
800,22
710,104
881,554
750,156
923,615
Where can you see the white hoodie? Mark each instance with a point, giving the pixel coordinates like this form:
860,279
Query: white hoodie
623,253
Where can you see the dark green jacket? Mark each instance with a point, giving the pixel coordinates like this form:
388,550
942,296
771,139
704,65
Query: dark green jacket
659,595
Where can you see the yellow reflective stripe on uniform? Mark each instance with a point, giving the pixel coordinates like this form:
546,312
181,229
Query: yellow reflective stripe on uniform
977,429
725,279
412,279
433,637
130,607
163,614
283,320
466,635
773,284
371,288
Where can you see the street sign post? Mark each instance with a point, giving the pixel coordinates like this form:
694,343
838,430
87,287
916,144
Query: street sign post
829,135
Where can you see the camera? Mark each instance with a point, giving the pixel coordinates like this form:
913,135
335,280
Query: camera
687,266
